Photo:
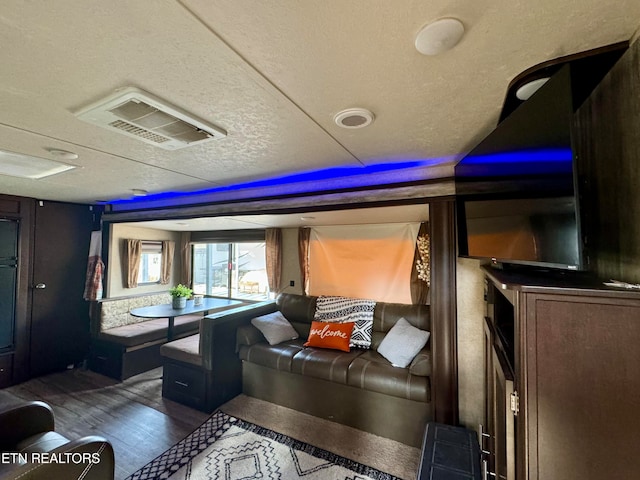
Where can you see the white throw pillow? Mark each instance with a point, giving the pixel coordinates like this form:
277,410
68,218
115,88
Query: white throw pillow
402,343
275,328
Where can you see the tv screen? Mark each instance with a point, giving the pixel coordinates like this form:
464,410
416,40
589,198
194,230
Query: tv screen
527,231
515,189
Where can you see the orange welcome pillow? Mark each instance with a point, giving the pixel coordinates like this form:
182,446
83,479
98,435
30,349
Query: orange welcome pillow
330,335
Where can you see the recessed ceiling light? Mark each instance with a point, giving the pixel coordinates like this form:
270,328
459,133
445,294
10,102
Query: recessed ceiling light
182,224
138,192
439,36
26,166
307,218
354,118
64,154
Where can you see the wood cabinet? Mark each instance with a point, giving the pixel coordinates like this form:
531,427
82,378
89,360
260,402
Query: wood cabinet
569,349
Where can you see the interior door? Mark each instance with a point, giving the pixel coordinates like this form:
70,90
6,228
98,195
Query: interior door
59,315
8,281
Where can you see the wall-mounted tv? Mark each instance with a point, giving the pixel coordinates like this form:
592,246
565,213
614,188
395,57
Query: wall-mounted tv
528,231
515,190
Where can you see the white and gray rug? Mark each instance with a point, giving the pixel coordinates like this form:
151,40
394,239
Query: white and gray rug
225,447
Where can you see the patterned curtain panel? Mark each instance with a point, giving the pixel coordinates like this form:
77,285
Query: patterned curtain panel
421,270
95,268
304,234
273,241
185,257
132,253
168,249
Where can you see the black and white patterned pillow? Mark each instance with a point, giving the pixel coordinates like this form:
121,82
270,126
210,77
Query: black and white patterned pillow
343,310
361,334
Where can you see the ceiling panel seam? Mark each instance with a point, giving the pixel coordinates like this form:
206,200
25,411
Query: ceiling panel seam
253,69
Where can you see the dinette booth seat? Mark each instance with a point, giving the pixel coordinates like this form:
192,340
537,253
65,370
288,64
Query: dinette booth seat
123,345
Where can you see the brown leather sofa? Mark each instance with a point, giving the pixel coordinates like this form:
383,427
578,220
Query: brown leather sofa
359,388
31,449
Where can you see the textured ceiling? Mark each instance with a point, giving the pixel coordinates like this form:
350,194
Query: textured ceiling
272,74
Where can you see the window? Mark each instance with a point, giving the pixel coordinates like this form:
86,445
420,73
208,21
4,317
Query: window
150,262
233,270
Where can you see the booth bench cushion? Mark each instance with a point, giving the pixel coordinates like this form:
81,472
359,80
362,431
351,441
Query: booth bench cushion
150,330
123,345
185,350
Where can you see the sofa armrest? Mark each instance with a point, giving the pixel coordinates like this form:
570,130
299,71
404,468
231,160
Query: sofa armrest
23,421
218,332
421,364
248,335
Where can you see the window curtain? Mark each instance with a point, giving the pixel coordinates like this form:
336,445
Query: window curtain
185,257
132,253
421,269
363,261
304,234
95,268
273,243
168,249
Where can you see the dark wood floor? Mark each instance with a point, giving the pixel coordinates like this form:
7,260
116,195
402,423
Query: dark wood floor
132,414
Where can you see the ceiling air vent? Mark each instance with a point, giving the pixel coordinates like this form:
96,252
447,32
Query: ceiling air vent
140,115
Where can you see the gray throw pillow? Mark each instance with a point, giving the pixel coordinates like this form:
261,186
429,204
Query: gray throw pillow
275,328
402,343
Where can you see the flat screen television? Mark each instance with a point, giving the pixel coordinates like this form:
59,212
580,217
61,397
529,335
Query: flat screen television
515,190
541,232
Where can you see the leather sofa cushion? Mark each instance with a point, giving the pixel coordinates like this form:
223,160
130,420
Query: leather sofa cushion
248,335
332,365
150,330
41,442
421,364
386,315
297,308
278,357
186,350
371,371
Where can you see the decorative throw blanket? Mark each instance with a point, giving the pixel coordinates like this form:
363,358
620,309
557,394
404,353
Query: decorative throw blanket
344,309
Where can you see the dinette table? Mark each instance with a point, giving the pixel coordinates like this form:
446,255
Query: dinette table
208,305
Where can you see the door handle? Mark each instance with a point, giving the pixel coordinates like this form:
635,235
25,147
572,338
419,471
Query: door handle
40,286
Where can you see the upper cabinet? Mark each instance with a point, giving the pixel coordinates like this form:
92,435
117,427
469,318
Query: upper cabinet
607,133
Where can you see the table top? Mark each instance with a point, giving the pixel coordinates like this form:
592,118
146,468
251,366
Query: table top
166,310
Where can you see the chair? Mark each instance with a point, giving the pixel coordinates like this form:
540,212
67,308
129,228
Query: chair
31,449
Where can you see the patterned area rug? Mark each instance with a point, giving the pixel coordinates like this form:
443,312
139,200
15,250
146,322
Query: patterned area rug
225,447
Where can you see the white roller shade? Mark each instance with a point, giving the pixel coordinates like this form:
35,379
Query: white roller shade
363,261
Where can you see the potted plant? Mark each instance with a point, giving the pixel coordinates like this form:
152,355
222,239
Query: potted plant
180,293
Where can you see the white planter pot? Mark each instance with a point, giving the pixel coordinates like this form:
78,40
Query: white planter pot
179,302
